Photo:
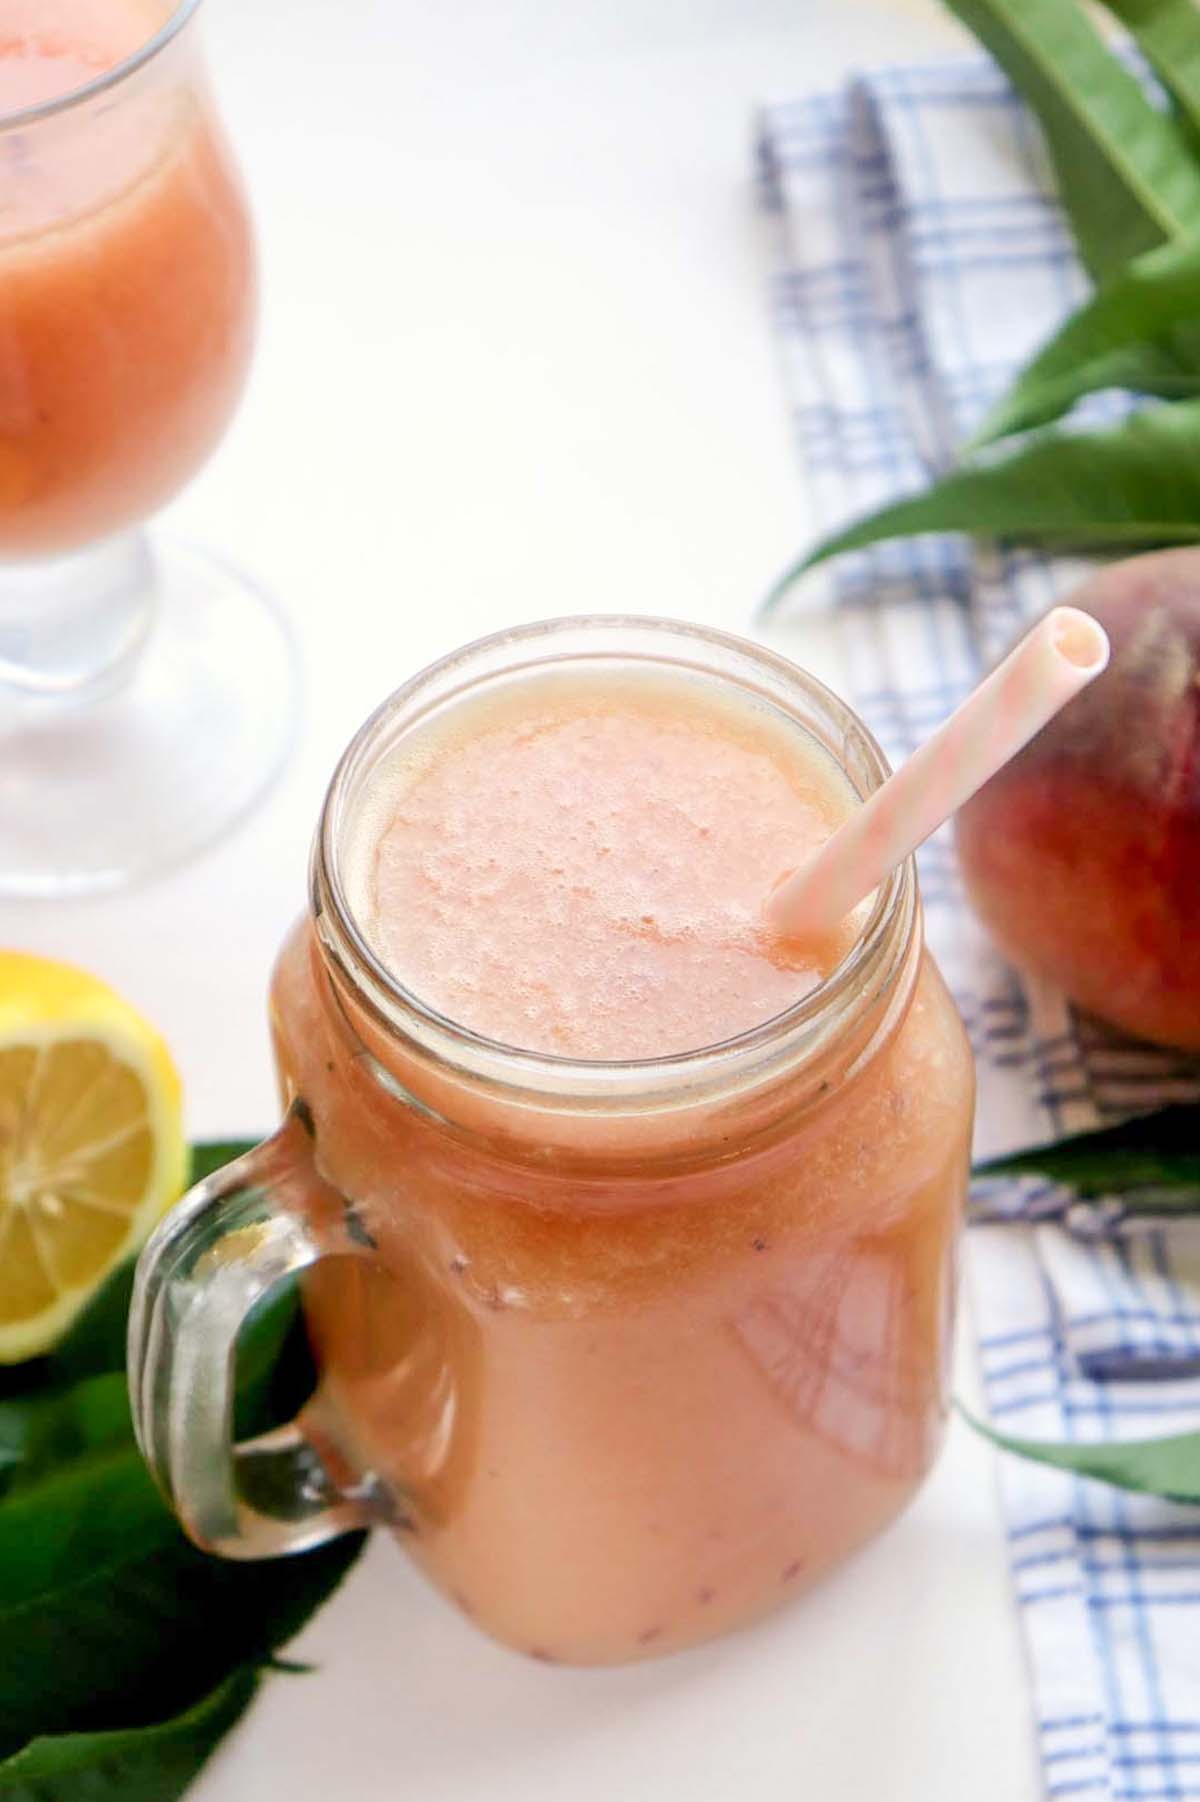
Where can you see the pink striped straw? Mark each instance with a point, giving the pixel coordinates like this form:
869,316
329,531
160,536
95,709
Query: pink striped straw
1063,653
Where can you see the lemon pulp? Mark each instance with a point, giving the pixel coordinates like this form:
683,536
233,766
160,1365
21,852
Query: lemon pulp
91,1144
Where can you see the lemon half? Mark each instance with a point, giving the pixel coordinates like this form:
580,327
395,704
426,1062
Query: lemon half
91,1143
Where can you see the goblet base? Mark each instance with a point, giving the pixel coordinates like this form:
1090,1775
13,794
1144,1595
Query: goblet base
108,783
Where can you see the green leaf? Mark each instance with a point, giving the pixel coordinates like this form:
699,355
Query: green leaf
120,1620
1137,484
1165,1467
1153,1161
96,1341
211,1155
148,1764
276,1374
92,1345
1168,32
1125,172
81,1515
46,1430
1140,332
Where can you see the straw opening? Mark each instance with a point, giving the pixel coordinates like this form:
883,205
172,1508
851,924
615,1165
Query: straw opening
1079,639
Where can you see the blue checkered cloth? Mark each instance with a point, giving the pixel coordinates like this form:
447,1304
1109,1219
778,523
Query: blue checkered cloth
923,256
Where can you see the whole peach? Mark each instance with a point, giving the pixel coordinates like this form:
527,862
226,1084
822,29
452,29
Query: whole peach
1083,855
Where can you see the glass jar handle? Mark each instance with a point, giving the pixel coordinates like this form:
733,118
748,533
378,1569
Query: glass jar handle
217,1254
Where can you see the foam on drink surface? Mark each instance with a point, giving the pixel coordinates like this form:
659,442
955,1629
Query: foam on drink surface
577,865
49,50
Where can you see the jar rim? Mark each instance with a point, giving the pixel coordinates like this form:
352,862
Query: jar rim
108,79
888,928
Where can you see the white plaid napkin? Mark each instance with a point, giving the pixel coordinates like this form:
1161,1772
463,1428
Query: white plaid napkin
923,257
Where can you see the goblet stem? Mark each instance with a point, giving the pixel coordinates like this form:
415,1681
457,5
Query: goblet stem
74,626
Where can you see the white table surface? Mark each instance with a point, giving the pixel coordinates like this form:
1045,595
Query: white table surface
515,362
